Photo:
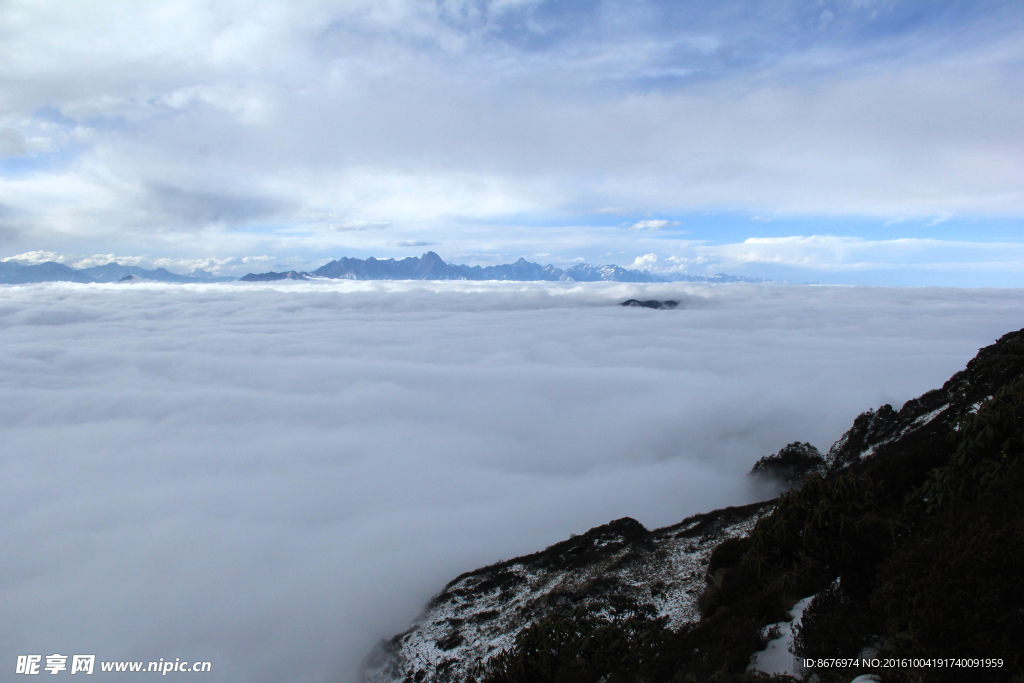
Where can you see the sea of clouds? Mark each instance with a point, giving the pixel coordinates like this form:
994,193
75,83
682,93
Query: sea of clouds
273,477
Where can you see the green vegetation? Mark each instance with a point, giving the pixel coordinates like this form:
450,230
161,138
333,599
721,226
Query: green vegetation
917,554
621,645
791,465
955,584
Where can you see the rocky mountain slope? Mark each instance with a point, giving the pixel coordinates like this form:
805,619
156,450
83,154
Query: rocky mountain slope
481,612
884,430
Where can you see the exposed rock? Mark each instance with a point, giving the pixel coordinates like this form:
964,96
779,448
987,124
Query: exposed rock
480,612
935,412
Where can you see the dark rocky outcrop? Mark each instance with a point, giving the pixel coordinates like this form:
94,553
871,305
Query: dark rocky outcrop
879,431
650,303
791,465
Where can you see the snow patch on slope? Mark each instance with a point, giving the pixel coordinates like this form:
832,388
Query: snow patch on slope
480,613
777,657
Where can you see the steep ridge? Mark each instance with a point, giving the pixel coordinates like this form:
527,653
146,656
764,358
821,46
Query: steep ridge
481,612
883,430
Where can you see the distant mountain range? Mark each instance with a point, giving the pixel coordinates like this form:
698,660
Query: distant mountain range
430,266
17,273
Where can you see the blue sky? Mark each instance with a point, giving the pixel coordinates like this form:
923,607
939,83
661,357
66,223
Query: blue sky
847,141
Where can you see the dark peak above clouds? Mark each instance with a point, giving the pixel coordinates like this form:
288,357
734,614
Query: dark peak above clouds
650,303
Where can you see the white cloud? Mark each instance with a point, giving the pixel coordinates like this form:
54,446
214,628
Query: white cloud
232,266
652,224
844,259
222,266
411,243
271,477
178,123
693,262
645,262
833,253
102,259
36,257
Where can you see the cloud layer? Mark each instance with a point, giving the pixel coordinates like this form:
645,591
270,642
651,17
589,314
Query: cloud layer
195,130
271,477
